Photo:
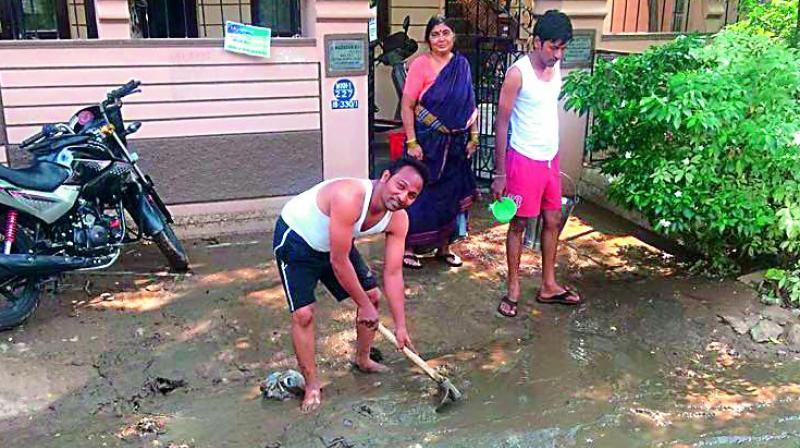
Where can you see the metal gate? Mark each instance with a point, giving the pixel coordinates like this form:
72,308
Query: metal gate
490,59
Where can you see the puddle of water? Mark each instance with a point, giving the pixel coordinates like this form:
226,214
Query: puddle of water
569,388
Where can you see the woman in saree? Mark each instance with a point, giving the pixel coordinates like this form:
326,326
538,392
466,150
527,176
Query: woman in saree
440,122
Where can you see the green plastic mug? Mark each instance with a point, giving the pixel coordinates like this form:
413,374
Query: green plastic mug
503,210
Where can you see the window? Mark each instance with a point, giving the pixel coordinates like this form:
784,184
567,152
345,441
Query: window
283,16
47,19
677,16
163,18
206,18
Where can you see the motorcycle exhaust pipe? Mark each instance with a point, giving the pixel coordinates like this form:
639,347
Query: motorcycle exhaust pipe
45,265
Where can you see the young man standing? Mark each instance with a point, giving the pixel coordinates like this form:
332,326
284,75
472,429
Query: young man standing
527,167
314,241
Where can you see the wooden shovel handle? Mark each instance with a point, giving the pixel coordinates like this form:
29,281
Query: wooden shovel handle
411,355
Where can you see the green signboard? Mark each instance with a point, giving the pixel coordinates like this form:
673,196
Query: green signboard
247,39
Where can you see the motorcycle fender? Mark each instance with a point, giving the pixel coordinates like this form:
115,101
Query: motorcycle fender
147,218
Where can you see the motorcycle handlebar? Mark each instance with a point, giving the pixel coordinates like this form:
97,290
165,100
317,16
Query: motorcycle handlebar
32,139
47,131
125,90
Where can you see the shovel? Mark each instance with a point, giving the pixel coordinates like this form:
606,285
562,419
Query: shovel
447,391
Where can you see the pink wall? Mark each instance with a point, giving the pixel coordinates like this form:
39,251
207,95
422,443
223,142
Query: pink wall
189,87
344,132
192,86
112,19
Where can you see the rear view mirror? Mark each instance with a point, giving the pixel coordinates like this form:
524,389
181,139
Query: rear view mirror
406,24
133,127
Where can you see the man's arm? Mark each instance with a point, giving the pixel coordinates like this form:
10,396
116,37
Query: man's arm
345,209
393,275
508,94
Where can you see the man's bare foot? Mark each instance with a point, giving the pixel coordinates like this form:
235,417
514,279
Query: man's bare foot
312,399
370,366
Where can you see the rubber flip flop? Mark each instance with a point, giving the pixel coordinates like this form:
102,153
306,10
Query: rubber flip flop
561,299
411,261
512,305
451,259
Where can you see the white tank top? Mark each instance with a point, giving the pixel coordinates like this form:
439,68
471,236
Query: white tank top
302,214
534,118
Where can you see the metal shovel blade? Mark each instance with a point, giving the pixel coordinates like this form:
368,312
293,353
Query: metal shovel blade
448,394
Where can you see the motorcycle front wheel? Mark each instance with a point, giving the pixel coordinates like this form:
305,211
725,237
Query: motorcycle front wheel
172,249
168,243
19,298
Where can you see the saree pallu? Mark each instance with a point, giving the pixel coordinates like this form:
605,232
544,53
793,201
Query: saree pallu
443,117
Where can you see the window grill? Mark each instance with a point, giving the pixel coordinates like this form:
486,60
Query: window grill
653,16
83,24
47,19
163,18
206,18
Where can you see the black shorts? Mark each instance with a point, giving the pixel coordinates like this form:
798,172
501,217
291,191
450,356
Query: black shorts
300,267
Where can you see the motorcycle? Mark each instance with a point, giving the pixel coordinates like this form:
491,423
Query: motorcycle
67,210
396,48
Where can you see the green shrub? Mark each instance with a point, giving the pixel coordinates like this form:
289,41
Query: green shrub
774,18
702,135
781,286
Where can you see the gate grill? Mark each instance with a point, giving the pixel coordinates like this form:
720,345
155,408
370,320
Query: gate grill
490,59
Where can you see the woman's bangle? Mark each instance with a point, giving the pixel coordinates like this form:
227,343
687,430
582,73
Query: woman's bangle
412,143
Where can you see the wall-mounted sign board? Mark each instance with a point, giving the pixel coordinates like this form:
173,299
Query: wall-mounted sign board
580,50
346,55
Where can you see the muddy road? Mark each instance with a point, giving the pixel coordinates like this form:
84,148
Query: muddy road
142,359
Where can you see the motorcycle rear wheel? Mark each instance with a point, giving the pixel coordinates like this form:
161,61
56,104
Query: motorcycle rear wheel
20,297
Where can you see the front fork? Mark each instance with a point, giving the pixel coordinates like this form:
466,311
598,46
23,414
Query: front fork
144,210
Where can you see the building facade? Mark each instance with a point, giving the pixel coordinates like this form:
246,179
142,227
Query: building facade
220,131
224,132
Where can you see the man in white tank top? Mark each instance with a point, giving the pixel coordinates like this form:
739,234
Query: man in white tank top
527,169
313,241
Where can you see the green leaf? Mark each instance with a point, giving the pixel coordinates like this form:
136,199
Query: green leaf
774,274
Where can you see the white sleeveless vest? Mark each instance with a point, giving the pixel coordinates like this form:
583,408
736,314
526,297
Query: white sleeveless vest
534,118
303,216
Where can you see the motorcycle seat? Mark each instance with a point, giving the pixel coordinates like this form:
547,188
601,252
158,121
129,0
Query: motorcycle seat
41,176
57,143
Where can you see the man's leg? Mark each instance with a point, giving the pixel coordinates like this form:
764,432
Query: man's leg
552,222
364,339
550,287
513,253
303,340
525,186
364,334
551,215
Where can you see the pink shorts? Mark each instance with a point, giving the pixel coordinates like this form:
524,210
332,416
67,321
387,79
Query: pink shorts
535,185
